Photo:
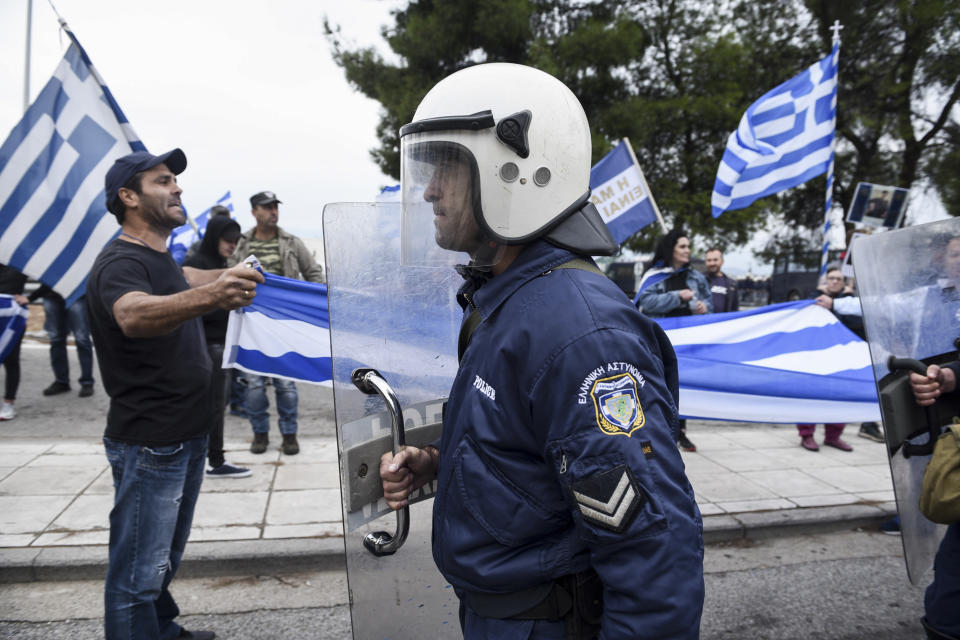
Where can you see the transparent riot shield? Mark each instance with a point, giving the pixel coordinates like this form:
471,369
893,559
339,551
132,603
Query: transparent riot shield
908,284
393,335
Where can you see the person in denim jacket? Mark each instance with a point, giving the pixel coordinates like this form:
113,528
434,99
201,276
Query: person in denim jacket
670,287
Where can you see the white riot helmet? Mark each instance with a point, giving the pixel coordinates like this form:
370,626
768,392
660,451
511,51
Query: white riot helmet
499,154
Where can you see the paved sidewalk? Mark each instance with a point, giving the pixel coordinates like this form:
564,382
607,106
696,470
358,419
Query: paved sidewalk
56,490
55,498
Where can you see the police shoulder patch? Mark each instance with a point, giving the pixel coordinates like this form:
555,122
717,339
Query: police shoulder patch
609,499
616,403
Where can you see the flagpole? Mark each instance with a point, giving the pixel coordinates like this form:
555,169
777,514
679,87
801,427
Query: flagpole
26,63
825,253
646,187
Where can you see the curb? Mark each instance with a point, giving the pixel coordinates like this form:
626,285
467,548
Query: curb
257,557
201,559
759,525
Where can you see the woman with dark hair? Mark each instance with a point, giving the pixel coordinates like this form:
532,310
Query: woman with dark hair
669,288
218,243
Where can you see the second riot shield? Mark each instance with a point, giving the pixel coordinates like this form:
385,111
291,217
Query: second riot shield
908,284
393,334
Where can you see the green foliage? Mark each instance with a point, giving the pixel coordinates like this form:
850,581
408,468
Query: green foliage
675,76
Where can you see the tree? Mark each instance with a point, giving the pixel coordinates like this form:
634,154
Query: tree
899,86
675,76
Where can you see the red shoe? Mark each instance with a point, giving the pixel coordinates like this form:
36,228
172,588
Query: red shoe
808,443
838,444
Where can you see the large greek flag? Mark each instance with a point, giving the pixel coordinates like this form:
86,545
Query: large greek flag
13,320
784,139
791,362
53,215
284,333
620,193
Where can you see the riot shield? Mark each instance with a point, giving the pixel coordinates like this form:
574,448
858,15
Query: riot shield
393,336
908,284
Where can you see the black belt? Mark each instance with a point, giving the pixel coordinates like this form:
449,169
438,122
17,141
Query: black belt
549,601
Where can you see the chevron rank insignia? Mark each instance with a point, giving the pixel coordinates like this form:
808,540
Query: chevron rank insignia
609,499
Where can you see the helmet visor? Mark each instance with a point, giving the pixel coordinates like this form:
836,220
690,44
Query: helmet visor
440,192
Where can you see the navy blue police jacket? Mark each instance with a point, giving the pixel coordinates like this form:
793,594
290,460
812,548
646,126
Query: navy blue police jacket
559,453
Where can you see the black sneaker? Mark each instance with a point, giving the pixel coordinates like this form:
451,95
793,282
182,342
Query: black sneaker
871,431
290,446
260,442
55,388
685,443
229,471
891,527
86,390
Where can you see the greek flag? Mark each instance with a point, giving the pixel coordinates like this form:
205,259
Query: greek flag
284,333
620,193
53,215
183,237
13,320
784,139
791,362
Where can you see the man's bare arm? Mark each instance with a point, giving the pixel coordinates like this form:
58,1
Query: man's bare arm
141,315
199,277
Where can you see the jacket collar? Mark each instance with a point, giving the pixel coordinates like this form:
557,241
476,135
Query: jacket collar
281,234
536,259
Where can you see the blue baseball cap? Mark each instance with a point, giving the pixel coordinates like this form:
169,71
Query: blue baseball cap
125,168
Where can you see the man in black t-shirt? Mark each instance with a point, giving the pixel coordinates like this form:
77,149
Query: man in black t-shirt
144,319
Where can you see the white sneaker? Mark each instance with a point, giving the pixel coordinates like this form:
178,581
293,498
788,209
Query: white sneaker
7,412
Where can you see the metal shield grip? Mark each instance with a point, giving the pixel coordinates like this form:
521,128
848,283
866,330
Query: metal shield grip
895,365
369,381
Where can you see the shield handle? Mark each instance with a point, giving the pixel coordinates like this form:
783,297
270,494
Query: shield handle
369,381
909,449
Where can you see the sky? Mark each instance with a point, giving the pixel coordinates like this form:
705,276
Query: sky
248,89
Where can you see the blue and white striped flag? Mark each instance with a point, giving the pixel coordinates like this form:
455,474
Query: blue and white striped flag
13,320
183,237
53,215
784,139
284,333
791,362
620,193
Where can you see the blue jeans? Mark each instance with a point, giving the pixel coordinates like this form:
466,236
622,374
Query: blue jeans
155,492
942,596
59,323
257,403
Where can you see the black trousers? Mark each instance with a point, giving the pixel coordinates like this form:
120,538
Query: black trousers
12,368
218,403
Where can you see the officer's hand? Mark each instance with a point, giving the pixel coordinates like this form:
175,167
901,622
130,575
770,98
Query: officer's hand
926,389
23,301
685,294
404,473
825,301
701,308
236,287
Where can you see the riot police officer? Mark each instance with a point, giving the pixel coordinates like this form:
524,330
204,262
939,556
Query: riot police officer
562,508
